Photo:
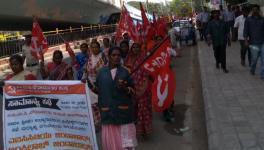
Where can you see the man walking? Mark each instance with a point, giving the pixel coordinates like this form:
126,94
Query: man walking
32,63
239,24
218,35
229,17
254,38
204,18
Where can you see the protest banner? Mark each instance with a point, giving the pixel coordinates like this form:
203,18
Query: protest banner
47,115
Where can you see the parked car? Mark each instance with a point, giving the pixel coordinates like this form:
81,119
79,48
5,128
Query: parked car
185,30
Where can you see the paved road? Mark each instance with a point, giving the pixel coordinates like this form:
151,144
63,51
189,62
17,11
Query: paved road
234,103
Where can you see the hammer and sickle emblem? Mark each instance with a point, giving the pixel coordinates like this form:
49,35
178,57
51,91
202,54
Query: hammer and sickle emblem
162,95
11,90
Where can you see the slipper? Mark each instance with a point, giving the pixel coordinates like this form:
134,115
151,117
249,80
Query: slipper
177,131
184,129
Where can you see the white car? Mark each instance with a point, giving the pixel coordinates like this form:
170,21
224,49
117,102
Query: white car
185,29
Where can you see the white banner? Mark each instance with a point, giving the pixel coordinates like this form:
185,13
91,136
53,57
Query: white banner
47,115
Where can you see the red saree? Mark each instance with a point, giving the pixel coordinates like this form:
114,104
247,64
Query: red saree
58,72
143,106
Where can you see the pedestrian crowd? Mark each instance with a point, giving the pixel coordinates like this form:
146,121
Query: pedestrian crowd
245,24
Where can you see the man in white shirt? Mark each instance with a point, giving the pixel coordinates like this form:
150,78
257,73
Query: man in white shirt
204,18
32,63
239,23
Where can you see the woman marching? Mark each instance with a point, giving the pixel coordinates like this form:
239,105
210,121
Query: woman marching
16,64
115,88
142,96
57,69
94,63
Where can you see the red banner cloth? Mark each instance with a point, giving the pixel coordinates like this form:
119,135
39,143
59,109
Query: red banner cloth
158,66
161,27
147,28
126,25
159,59
39,42
163,90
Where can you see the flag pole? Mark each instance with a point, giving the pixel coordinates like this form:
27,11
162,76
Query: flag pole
152,51
147,6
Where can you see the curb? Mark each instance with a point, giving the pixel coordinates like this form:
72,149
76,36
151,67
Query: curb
210,116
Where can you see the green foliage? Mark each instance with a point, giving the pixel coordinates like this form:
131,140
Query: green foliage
176,7
153,7
181,7
135,4
198,4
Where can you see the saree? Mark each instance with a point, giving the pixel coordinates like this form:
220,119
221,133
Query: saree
119,137
142,98
93,65
58,72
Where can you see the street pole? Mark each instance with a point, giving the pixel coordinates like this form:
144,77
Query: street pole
192,5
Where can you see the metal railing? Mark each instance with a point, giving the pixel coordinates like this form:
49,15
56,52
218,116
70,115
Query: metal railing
57,37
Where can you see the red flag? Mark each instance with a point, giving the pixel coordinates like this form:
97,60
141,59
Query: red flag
126,25
147,29
139,34
163,90
145,20
161,27
120,27
160,59
39,42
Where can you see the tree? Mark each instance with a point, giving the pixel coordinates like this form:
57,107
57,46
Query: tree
134,4
198,4
182,8
158,8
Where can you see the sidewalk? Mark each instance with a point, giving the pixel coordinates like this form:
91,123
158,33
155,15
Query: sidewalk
234,102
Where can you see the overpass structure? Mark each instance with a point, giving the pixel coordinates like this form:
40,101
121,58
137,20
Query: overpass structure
69,20
17,14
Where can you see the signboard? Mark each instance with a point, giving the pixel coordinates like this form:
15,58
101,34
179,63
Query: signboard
47,115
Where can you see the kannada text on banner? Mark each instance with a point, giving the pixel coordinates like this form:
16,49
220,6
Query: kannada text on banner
47,115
